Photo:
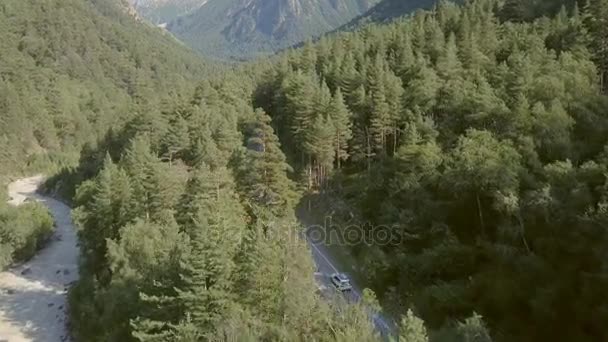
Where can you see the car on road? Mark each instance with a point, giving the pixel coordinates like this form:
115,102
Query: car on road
341,282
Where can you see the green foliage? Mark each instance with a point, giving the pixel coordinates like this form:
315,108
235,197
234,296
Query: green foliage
71,69
412,329
474,330
475,138
479,142
263,170
23,231
179,249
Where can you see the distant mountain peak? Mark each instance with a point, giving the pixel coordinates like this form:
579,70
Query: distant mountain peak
251,27
162,11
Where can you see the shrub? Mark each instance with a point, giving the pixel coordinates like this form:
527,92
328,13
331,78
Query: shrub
23,231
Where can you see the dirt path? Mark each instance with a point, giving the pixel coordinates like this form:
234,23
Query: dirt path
33,295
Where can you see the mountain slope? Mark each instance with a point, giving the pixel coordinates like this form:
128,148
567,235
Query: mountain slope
236,28
388,10
69,69
162,11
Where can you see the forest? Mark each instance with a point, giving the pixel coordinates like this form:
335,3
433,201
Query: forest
477,132
71,69
482,142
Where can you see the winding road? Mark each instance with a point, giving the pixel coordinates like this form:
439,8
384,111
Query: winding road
326,267
33,295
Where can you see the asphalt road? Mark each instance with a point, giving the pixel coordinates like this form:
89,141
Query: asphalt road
326,267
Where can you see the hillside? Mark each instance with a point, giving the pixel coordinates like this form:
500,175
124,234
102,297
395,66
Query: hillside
387,10
457,160
163,11
467,157
248,28
70,69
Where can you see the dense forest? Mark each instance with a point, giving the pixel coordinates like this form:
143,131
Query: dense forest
187,235
482,142
71,69
476,132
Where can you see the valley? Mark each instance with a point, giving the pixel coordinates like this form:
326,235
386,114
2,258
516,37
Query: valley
237,29
202,149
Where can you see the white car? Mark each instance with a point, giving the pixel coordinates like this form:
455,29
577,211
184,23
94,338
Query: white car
341,282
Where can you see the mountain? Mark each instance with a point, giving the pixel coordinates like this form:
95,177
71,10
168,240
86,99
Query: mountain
247,28
387,10
69,69
162,11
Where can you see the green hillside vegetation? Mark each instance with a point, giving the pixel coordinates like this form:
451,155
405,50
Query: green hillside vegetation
178,241
526,10
479,138
188,233
70,69
388,10
23,230
482,144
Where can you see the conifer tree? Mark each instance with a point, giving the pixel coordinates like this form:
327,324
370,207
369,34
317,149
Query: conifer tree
412,329
148,254
215,231
349,75
101,218
262,175
300,97
139,162
380,119
259,270
177,139
473,329
320,146
449,66
597,24
341,117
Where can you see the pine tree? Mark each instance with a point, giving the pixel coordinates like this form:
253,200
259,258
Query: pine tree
262,173
394,95
380,119
449,66
177,139
320,145
412,329
423,86
300,97
148,254
434,40
405,57
204,150
259,270
107,210
206,292
473,329
139,162
482,165
596,21
349,75
341,117
202,188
